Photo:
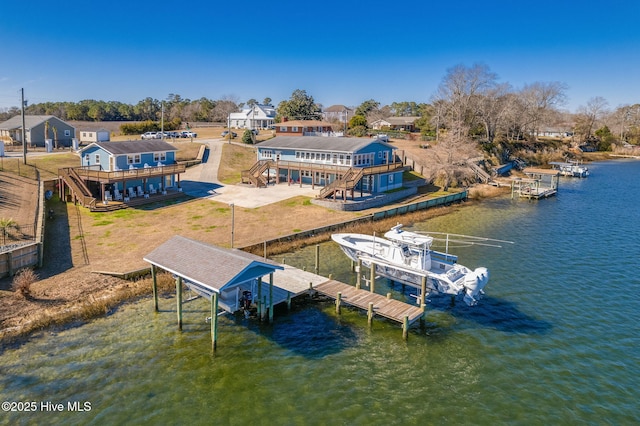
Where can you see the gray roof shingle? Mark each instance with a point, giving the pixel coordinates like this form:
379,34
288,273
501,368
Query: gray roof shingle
319,143
208,265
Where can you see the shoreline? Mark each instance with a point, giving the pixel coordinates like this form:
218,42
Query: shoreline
101,294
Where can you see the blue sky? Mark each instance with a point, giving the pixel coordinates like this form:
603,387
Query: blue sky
339,52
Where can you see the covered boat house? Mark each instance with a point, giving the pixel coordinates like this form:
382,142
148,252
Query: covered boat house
232,279
120,174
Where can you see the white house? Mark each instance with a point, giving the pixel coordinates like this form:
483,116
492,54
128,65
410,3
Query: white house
253,117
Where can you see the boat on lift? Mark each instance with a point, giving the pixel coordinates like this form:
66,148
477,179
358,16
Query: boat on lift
571,168
408,258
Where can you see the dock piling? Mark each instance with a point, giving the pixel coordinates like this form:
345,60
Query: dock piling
214,320
370,314
179,301
338,301
155,287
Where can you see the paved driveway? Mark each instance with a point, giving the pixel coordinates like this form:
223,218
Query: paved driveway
201,181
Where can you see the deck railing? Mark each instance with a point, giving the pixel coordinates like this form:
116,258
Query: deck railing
89,173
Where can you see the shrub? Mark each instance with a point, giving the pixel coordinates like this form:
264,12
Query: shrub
22,282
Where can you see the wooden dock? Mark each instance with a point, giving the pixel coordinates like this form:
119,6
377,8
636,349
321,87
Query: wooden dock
386,307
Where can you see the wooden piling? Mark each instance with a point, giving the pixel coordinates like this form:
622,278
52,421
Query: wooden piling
214,320
338,300
370,314
271,297
372,277
358,271
179,300
317,268
259,304
405,328
155,287
423,290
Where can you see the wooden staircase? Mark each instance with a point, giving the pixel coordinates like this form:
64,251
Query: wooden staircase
348,181
481,174
255,174
79,189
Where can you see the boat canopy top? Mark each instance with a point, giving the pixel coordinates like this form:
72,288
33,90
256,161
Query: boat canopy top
398,235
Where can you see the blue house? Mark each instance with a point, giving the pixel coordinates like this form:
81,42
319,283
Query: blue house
339,165
121,171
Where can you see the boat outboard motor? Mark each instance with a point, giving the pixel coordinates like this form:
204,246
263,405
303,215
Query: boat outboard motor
474,282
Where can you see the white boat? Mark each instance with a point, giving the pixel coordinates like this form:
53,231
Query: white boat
407,257
571,168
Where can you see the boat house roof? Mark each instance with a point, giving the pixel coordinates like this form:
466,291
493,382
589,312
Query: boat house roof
212,267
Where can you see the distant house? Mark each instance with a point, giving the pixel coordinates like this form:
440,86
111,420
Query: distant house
57,131
94,135
253,117
122,171
338,164
554,132
405,124
339,113
305,128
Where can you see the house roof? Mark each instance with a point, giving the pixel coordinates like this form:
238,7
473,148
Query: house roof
133,147
211,266
336,108
320,143
398,121
30,121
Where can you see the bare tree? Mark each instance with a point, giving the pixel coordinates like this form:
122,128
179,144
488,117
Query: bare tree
541,101
589,115
459,92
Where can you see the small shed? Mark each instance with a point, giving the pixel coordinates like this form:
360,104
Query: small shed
94,135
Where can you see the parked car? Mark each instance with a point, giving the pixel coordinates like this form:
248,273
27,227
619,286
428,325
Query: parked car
189,135
172,135
226,133
150,135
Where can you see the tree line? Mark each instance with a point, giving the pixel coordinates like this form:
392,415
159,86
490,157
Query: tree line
470,104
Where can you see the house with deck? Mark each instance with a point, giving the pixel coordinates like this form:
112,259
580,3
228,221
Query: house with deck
340,166
120,174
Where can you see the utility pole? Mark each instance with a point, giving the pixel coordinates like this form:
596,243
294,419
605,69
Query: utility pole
24,132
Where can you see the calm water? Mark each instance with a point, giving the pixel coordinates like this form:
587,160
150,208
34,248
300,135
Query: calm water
555,341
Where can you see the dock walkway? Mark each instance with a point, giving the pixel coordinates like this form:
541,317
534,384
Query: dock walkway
389,308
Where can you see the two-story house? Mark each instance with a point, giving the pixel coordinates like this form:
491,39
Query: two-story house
122,171
340,165
255,116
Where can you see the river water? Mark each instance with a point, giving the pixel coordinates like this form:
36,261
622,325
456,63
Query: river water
554,341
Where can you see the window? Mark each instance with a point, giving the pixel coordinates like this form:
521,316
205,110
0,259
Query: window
96,159
133,159
84,134
294,129
298,154
267,153
67,132
159,156
283,129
